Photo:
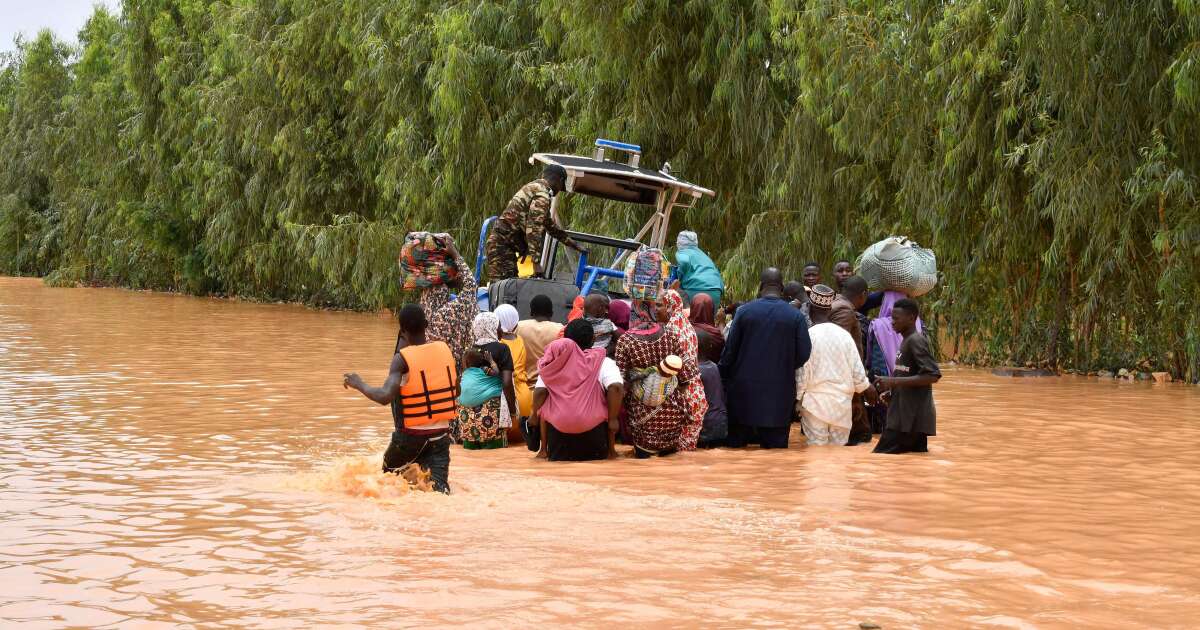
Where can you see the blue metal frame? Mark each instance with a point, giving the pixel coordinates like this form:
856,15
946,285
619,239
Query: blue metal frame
593,273
480,254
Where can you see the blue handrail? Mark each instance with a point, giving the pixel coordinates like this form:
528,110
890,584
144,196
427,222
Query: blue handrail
620,146
593,273
480,254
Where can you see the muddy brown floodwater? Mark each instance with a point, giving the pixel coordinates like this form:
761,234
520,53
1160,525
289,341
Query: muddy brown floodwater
173,461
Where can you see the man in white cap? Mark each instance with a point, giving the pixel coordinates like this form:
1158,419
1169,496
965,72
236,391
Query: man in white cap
826,385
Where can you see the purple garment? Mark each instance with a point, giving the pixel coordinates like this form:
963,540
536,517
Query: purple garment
888,339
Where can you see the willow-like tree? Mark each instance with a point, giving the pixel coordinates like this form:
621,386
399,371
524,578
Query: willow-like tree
279,149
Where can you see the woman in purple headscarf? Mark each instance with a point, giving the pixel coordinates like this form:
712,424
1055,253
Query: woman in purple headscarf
883,344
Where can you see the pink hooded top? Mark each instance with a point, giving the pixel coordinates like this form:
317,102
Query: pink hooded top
575,400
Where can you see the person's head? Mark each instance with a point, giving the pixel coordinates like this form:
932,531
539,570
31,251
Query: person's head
474,357
596,306
770,282
485,328
662,311
618,312
670,365
413,323
821,303
854,289
842,270
541,308
707,346
702,310
507,314
556,176
811,274
686,240
904,315
793,290
580,331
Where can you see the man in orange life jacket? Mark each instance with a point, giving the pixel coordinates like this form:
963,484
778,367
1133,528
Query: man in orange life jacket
421,387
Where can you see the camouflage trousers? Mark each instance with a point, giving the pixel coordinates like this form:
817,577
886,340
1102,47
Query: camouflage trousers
501,254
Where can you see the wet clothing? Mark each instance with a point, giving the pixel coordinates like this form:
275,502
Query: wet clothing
827,383
577,447
575,381
450,318
895,443
654,429
844,314
818,433
689,351
430,452
716,420
911,412
576,408
484,426
876,367
741,436
767,344
520,230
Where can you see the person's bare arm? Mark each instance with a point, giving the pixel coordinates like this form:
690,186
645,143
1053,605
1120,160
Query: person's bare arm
920,380
385,394
540,394
510,393
616,394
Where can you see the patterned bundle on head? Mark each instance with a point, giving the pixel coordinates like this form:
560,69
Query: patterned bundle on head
425,261
644,274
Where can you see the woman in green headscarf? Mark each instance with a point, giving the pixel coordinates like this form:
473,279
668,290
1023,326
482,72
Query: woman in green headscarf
697,272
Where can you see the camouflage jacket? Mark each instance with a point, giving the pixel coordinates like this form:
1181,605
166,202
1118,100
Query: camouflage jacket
528,219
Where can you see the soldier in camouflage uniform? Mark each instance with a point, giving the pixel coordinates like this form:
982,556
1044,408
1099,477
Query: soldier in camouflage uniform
522,227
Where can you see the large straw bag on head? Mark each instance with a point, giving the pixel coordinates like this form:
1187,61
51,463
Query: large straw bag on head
898,264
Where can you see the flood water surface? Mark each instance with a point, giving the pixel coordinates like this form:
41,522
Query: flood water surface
172,461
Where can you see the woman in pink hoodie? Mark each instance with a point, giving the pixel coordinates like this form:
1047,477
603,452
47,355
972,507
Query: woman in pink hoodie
577,398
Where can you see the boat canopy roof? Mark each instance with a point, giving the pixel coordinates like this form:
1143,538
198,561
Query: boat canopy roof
616,181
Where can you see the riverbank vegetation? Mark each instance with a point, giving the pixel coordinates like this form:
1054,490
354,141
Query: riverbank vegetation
280,149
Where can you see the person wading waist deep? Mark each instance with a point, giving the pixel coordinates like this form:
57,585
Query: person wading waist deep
421,386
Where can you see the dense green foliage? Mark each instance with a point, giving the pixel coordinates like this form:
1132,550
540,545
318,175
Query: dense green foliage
279,149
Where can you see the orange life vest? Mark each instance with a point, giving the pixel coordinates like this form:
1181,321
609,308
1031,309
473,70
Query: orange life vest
428,395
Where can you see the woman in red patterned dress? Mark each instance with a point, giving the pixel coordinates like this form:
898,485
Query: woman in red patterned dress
656,430
689,348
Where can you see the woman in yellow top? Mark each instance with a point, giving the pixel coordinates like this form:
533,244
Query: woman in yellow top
507,314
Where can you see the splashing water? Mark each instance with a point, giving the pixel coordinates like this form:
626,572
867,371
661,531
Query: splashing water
360,476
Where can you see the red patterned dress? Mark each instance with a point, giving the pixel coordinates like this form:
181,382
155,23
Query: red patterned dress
689,348
655,429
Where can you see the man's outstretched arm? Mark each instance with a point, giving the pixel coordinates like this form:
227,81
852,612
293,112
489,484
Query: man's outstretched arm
385,394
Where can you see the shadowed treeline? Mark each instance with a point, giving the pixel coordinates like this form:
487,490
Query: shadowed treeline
279,149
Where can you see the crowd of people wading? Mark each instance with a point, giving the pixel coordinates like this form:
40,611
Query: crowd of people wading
668,368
